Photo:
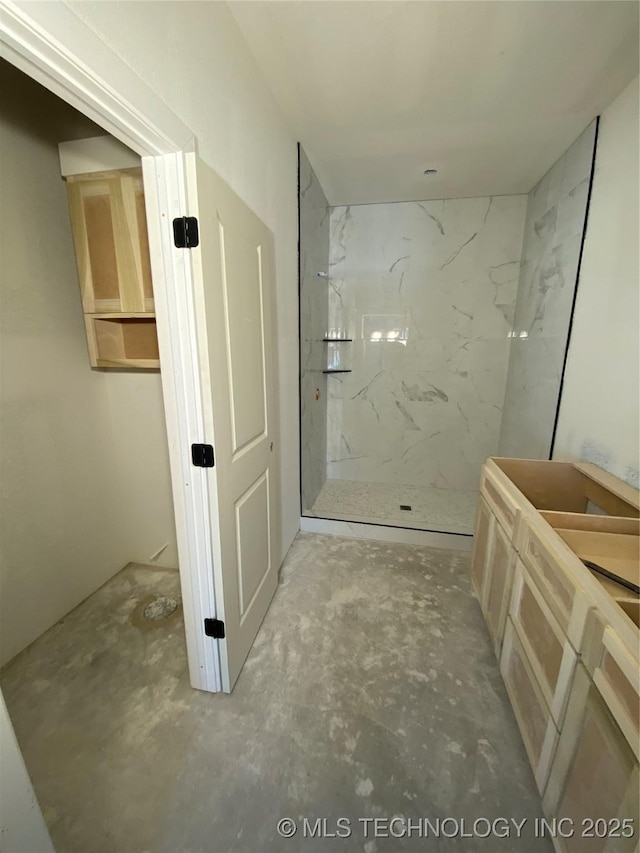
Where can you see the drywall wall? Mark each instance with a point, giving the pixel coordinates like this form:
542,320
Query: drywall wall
200,65
79,498
599,419
314,319
427,291
22,827
556,214
136,408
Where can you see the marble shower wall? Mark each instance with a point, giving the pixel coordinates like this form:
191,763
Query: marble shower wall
314,258
427,291
556,217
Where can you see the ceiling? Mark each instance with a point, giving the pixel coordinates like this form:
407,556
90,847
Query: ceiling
488,93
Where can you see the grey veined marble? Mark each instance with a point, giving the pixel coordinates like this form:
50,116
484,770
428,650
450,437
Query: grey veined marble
556,218
427,290
418,507
314,258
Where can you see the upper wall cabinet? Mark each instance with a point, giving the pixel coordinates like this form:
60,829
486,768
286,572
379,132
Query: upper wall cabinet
108,219
112,247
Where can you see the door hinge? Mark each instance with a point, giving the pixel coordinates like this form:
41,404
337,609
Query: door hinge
202,455
214,628
185,232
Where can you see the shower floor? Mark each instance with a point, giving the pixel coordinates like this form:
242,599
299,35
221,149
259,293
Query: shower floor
444,510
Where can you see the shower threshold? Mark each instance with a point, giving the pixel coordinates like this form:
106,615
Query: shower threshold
444,510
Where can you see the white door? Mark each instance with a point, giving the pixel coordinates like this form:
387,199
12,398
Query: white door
234,279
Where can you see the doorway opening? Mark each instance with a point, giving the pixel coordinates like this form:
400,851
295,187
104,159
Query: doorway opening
86,477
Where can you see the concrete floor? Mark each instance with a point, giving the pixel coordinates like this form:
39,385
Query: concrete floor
371,691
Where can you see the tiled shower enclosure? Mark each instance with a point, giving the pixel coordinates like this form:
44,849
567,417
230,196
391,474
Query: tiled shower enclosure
432,335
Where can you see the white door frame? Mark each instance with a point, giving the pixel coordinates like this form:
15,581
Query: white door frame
53,46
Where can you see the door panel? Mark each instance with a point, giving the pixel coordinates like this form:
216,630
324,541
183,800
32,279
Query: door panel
234,270
252,536
244,319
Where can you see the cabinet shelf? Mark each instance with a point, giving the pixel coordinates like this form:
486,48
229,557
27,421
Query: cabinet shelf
123,340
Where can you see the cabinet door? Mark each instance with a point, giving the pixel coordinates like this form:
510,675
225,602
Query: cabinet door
481,542
548,651
502,559
110,235
492,564
594,777
538,730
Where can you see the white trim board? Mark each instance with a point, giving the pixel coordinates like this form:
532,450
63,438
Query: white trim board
386,533
53,46
97,154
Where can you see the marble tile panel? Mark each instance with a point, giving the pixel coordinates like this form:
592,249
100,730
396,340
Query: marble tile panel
314,258
428,292
446,510
555,221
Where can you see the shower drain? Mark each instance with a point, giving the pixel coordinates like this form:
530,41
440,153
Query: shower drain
159,608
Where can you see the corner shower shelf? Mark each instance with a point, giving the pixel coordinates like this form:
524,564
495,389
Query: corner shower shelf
336,371
337,340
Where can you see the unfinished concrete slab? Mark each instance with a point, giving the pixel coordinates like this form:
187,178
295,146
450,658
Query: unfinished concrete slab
372,691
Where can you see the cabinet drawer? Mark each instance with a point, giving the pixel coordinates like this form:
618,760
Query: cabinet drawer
501,502
549,653
554,569
538,730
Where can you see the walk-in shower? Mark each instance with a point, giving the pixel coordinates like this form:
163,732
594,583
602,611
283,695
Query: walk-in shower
432,334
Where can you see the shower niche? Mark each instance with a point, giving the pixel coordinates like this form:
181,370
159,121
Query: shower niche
433,334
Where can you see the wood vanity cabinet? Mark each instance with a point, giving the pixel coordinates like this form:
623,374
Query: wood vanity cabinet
112,251
567,638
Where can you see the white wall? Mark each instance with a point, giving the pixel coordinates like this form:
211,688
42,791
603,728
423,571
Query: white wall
195,58
22,827
79,497
599,413
136,408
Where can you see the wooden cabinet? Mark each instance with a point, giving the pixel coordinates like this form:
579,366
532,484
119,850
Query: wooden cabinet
567,637
112,251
